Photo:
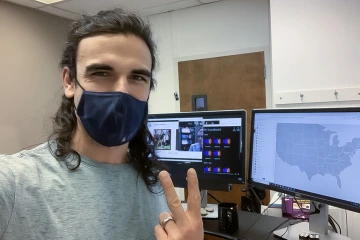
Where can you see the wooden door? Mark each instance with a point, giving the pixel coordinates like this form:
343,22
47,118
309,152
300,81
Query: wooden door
230,82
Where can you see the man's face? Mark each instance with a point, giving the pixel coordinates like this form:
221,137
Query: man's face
200,137
109,63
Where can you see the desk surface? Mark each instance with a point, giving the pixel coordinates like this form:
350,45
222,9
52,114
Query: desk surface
260,231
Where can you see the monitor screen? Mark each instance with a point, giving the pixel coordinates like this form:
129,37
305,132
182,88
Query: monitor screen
313,153
213,143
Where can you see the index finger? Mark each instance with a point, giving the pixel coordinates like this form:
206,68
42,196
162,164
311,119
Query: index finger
172,198
194,200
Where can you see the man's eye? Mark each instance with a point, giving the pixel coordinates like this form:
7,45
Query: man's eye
100,74
137,77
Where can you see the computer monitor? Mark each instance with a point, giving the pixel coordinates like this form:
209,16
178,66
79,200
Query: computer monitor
211,142
308,153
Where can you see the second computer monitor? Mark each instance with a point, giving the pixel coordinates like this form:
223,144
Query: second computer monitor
310,153
213,143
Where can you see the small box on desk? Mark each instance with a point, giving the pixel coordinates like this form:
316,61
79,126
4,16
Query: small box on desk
296,208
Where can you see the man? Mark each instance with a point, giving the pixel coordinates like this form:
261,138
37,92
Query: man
97,178
167,138
197,147
162,139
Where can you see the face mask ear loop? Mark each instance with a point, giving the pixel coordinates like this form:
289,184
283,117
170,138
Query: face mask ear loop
80,87
79,84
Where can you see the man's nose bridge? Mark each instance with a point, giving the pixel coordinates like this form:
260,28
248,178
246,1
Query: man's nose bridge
122,85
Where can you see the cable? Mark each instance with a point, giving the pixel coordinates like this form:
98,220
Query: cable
280,225
260,217
335,222
299,206
213,197
291,224
332,224
285,205
317,210
269,234
256,196
347,226
287,229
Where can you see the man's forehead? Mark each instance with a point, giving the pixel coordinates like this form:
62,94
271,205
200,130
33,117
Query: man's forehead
112,47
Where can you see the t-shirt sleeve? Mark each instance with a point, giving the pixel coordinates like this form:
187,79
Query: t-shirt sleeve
191,149
7,195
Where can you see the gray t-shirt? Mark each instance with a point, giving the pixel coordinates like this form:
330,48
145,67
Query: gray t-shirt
40,198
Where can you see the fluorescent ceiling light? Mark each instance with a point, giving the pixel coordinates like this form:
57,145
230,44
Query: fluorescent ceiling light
49,1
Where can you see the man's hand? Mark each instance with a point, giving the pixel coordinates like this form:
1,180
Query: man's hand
187,225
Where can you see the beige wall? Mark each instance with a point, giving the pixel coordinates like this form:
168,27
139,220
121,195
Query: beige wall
30,80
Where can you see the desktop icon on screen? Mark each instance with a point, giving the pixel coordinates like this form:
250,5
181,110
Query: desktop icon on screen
227,141
217,170
217,153
208,153
226,170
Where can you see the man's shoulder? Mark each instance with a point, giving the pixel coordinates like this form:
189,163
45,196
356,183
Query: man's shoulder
36,152
29,160
195,144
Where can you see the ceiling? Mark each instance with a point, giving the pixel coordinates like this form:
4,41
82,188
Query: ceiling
72,8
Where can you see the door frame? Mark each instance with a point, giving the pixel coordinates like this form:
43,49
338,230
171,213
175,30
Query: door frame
267,59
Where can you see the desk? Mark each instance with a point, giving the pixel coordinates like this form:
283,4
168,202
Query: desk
263,226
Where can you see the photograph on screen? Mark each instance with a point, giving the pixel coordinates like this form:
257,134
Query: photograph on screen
173,144
191,134
162,139
198,145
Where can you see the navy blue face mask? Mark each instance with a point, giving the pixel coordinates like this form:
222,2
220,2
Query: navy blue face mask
111,118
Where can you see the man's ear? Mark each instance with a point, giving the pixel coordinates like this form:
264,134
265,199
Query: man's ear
68,84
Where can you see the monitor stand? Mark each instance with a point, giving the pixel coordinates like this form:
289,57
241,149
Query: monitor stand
204,206
318,223
213,214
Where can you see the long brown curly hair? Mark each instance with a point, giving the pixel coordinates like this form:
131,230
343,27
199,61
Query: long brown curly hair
116,21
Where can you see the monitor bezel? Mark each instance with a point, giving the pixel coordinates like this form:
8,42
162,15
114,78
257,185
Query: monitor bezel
238,113
302,194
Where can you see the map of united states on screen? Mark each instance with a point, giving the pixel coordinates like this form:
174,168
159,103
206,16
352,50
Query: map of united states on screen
315,149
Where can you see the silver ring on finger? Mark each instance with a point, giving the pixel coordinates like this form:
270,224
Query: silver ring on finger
165,221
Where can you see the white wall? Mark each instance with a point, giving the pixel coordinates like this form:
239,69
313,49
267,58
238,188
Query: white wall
217,29
162,99
316,50
315,46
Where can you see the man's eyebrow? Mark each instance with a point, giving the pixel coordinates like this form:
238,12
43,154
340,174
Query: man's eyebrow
144,72
97,67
